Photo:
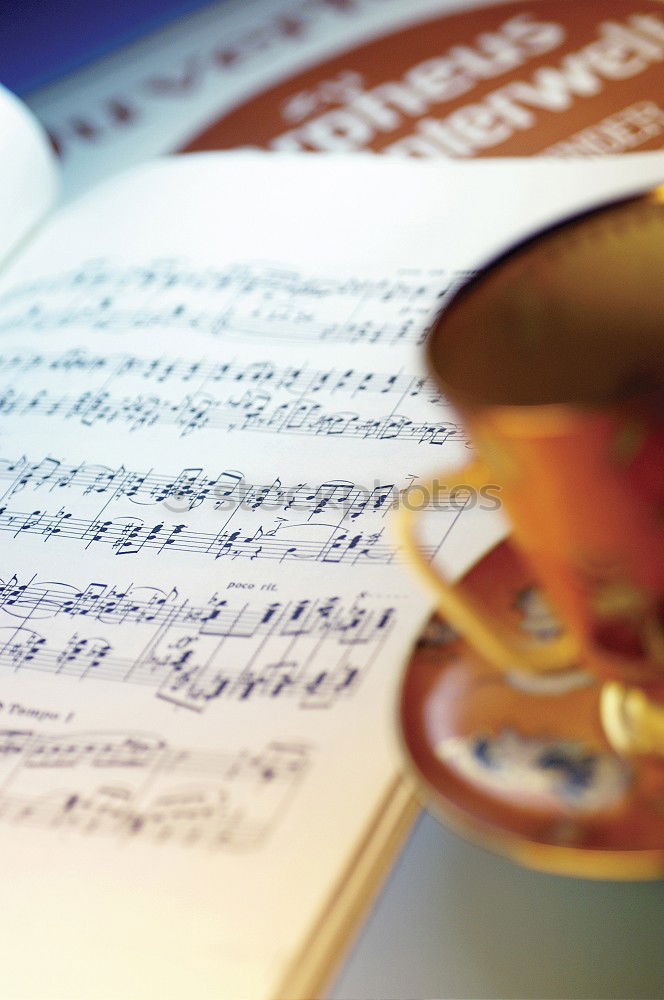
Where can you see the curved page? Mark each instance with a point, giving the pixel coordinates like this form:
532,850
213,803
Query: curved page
211,400
28,175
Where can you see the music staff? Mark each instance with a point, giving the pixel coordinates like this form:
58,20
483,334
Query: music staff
188,684
239,302
253,411
196,655
135,786
283,540
193,487
297,379
109,604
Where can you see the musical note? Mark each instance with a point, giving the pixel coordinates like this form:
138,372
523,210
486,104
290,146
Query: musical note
195,488
136,786
191,413
194,654
114,410
247,300
295,379
283,540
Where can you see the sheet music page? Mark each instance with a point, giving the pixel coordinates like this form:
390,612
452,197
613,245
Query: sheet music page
210,400
28,172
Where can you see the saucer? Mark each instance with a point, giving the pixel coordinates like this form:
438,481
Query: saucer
520,763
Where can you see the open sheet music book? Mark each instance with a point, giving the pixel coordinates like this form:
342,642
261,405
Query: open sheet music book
210,400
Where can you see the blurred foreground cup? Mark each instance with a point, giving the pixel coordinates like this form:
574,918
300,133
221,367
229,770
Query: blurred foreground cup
553,356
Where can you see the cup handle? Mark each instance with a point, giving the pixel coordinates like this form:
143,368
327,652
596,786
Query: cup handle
633,724
486,633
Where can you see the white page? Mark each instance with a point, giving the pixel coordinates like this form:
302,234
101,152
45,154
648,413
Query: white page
28,172
186,779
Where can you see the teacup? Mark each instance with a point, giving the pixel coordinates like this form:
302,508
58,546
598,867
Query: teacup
553,356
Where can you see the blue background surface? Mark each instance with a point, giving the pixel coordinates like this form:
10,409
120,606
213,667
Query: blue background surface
43,39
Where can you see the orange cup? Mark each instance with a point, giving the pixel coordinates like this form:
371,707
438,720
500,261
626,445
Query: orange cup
554,357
